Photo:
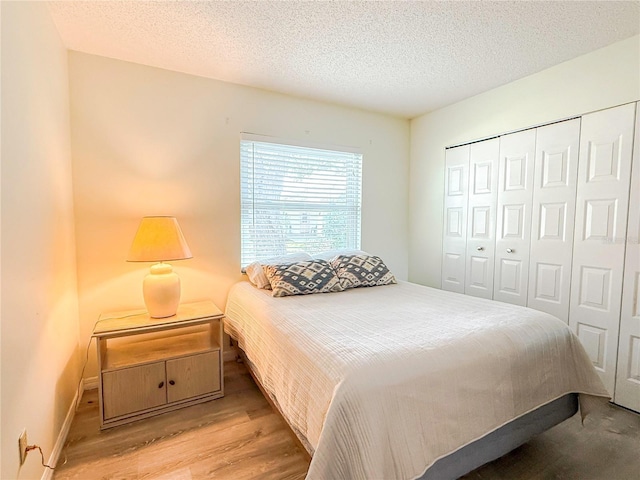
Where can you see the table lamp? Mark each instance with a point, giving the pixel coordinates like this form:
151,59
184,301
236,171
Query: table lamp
159,239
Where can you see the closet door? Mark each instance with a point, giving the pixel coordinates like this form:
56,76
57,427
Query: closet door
554,205
627,392
454,242
481,224
515,189
606,140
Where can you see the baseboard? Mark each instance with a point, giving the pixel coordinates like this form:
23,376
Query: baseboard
89,383
62,436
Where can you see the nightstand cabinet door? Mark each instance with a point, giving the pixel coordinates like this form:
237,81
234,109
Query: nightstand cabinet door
193,376
133,389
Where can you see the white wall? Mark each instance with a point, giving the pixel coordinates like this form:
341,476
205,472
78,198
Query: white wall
0,250
40,362
600,79
148,141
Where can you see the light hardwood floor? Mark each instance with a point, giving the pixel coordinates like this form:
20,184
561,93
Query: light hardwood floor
240,437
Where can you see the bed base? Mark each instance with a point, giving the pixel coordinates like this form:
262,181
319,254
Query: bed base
477,453
501,441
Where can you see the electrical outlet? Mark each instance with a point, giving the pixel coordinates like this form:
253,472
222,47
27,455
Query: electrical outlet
22,445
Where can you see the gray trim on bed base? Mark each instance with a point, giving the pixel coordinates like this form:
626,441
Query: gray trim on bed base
503,440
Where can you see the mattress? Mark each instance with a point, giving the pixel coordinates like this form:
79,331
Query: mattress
383,382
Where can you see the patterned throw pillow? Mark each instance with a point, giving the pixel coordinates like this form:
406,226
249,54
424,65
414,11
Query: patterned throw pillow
256,273
361,271
302,278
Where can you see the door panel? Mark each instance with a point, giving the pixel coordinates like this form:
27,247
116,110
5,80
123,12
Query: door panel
481,222
552,221
602,201
594,340
516,171
515,191
554,206
454,241
513,221
452,271
595,288
510,277
548,283
193,376
133,389
600,217
481,226
456,180
479,272
627,391
455,216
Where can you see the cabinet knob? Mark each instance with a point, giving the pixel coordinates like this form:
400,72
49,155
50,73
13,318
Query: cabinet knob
480,249
171,382
510,250
161,385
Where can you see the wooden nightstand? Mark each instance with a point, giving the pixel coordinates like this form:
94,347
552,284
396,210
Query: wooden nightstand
148,366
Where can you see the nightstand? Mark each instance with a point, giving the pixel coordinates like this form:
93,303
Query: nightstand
148,366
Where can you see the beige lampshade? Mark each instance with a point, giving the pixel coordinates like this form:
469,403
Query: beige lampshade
158,239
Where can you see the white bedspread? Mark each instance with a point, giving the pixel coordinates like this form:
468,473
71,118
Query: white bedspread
384,381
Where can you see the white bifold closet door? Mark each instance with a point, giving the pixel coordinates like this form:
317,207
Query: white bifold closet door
627,391
553,214
513,232
454,241
481,224
600,231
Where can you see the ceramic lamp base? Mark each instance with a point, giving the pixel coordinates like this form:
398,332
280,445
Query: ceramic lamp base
161,291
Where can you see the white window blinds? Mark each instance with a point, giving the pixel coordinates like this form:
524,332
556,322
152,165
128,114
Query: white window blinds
295,198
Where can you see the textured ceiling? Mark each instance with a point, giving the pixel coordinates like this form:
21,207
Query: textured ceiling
401,58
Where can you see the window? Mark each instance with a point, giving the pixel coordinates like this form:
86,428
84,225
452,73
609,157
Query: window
296,198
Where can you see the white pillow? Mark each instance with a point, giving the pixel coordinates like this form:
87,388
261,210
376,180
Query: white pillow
331,254
256,273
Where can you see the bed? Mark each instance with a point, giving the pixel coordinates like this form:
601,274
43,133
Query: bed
404,381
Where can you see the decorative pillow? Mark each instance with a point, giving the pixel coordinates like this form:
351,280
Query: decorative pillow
255,270
361,271
329,255
302,278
